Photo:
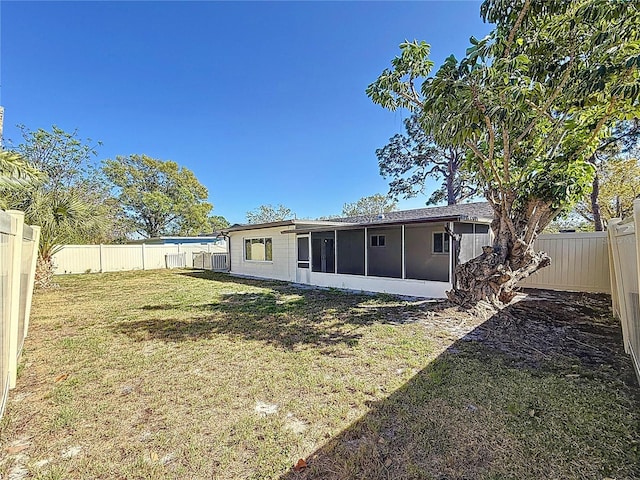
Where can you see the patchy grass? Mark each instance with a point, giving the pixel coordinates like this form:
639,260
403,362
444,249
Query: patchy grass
178,374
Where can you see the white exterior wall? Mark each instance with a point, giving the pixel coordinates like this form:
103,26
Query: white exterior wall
283,265
396,286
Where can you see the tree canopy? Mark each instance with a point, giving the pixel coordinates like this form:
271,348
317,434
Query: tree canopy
371,205
68,199
218,223
410,159
530,103
619,186
270,213
159,197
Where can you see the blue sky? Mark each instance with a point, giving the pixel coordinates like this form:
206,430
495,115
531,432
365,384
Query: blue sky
264,101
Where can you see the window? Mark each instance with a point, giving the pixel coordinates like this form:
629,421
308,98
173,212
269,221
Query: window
258,249
377,240
440,242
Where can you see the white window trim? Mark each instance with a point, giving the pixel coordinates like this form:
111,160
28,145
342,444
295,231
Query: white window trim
433,243
244,249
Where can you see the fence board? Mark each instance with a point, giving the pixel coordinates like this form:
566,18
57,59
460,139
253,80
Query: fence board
624,251
116,258
18,253
579,262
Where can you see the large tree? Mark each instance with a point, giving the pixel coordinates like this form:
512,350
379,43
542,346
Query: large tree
68,200
530,103
409,160
159,197
269,213
371,205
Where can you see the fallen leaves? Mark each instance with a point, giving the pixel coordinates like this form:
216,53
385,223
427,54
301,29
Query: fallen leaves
300,465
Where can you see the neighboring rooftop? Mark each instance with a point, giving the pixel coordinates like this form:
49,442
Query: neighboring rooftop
176,239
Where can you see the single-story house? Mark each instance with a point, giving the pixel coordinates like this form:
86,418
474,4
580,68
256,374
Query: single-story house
406,252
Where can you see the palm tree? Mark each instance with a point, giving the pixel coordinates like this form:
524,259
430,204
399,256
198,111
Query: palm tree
15,173
62,216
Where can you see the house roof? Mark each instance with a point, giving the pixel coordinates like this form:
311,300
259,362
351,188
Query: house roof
284,223
479,211
470,211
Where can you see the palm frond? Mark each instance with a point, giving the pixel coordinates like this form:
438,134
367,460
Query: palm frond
15,171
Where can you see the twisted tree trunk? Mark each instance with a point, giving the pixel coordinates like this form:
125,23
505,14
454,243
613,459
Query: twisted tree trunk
494,275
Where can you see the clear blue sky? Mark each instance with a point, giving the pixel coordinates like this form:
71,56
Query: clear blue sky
264,101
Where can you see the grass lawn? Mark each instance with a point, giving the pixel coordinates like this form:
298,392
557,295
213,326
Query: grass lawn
180,374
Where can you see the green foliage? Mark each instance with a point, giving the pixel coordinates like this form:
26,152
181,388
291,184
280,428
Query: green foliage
68,200
63,157
410,159
15,172
269,213
619,187
159,197
530,102
218,223
371,205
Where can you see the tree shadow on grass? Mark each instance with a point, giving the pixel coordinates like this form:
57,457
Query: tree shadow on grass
540,390
282,315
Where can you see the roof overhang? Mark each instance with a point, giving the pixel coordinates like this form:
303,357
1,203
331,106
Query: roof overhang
283,223
389,223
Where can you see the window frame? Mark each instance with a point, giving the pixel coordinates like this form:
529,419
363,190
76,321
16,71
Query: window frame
447,243
264,239
378,237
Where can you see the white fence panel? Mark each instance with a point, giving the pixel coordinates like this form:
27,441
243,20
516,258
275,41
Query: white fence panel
18,255
116,258
579,262
78,259
154,255
625,244
220,262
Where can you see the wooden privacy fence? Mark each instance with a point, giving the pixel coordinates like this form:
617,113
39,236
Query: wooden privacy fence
119,258
579,263
18,255
624,247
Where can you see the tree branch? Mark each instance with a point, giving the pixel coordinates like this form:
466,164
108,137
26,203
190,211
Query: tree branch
516,26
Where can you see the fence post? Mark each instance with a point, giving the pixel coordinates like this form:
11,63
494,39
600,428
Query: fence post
615,301
143,255
636,225
17,220
32,277
101,260
624,314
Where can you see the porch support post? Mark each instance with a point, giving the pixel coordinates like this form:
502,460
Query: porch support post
451,253
366,253
335,251
404,268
